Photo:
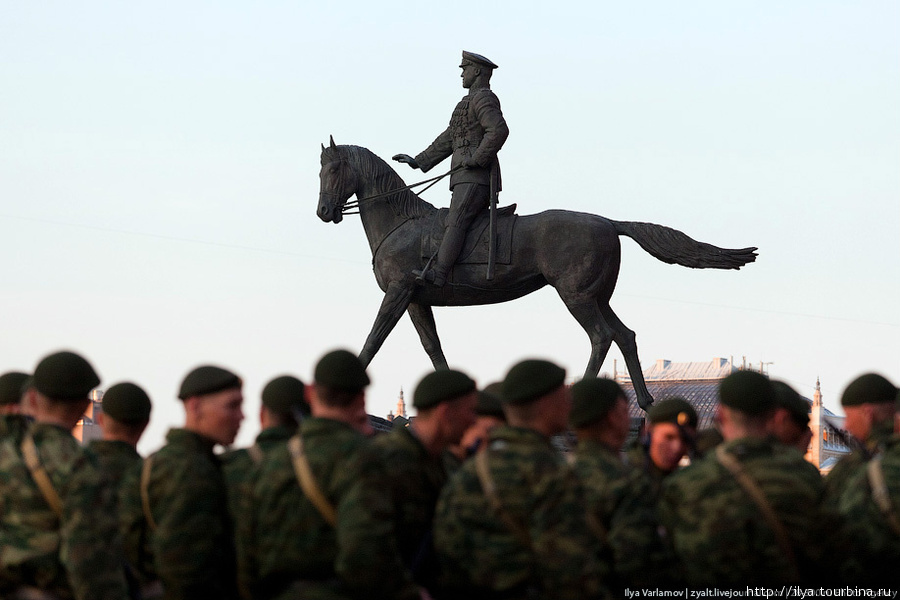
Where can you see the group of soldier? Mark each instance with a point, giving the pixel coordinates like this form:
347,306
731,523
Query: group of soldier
475,497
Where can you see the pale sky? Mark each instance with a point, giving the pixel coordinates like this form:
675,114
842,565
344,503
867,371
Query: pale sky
159,179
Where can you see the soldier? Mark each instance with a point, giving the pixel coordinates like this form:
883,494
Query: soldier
623,512
175,515
668,436
445,404
790,423
733,516
488,416
511,522
476,133
315,524
868,404
126,413
11,396
58,536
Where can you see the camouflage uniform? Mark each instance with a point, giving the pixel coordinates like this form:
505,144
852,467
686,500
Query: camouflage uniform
838,478
875,544
720,535
116,458
285,547
238,465
481,556
75,556
191,550
414,481
638,456
622,503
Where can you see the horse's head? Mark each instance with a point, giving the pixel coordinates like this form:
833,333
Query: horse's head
337,182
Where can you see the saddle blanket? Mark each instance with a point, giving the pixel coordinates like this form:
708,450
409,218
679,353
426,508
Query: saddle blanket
476,247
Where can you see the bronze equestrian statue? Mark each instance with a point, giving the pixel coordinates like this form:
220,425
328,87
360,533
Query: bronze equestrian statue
576,253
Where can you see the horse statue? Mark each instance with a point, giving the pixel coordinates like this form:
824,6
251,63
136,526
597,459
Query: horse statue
577,253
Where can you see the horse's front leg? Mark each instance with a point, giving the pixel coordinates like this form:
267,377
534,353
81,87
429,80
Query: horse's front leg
395,301
423,318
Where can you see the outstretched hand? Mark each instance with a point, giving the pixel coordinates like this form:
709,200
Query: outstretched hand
406,158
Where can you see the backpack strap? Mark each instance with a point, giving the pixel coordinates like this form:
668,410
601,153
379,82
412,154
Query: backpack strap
39,474
880,493
145,492
308,482
490,491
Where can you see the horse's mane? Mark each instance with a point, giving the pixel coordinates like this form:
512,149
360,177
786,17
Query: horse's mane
372,168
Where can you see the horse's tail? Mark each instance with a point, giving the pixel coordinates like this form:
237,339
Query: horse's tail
673,247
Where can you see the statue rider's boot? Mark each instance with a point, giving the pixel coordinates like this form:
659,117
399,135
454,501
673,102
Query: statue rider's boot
451,246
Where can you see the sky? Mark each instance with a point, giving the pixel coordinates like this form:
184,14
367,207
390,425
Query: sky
159,178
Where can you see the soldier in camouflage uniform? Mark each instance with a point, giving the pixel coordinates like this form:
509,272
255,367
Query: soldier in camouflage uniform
11,396
58,536
669,435
445,404
174,508
325,534
511,522
476,133
868,404
619,496
751,512
126,413
790,422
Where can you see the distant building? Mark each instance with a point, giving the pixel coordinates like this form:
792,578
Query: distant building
698,383
401,409
88,427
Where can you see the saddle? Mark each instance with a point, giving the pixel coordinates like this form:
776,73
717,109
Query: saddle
475,248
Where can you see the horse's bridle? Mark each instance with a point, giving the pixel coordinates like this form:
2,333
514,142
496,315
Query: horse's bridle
355,204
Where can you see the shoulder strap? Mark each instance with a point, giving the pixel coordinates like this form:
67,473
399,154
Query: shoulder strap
880,493
39,474
308,482
145,492
759,498
490,492
256,454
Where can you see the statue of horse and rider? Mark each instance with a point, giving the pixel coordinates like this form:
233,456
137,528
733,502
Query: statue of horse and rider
426,257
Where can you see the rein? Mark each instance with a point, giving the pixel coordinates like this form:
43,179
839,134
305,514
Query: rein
354,205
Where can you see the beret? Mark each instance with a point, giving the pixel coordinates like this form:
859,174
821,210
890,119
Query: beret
870,388
283,395
127,403
788,399
438,386
673,410
207,379
11,385
341,370
489,404
65,376
748,392
477,59
592,399
530,379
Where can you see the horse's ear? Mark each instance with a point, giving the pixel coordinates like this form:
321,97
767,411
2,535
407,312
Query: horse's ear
332,142
323,147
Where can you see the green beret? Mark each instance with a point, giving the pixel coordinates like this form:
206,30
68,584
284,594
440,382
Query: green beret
65,376
208,380
870,388
530,379
592,399
788,399
342,370
673,410
438,386
11,387
127,403
489,404
283,395
748,392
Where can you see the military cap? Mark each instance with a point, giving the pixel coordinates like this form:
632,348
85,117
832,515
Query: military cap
477,59
208,379
530,379
788,399
748,392
673,410
342,370
438,386
489,404
592,399
283,395
11,385
65,376
127,403
870,388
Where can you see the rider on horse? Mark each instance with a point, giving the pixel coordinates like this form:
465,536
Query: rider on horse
476,133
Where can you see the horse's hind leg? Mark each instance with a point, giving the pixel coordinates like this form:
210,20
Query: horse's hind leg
626,341
587,312
394,303
423,318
